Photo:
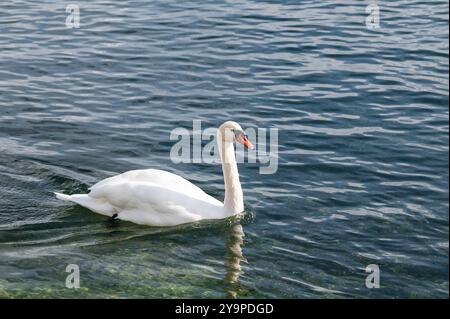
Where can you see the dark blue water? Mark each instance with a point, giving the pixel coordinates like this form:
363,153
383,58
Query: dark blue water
363,146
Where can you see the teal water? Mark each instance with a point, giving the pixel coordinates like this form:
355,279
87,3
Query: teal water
363,146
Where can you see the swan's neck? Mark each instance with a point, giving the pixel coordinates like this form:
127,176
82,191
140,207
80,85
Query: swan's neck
234,199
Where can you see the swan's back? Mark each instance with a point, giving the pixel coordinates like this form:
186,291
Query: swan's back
158,178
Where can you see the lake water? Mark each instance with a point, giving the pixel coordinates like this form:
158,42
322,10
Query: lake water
362,118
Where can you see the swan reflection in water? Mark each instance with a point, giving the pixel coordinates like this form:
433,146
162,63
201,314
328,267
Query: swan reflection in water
234,256
233,262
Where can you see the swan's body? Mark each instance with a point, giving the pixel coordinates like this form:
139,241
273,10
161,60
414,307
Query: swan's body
160,198
151,197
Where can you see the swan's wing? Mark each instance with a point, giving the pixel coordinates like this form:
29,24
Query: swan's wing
156,177
156,198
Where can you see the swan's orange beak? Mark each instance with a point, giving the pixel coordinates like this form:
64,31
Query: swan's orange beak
246,142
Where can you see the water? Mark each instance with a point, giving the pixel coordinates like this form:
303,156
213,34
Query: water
363,146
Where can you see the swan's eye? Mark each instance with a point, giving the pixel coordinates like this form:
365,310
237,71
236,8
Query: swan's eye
243,139
239,135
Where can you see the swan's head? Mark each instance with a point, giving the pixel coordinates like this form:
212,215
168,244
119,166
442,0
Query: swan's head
232,132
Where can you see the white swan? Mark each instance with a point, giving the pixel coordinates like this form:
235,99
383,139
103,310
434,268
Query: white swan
159,198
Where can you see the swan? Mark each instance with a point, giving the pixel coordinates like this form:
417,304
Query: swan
159,198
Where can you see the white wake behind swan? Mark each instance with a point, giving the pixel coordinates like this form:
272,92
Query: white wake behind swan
160,198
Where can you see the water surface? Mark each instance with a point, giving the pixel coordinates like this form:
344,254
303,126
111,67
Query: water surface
363,146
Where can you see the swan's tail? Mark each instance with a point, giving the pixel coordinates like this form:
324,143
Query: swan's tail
81,199
62,196
98,205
